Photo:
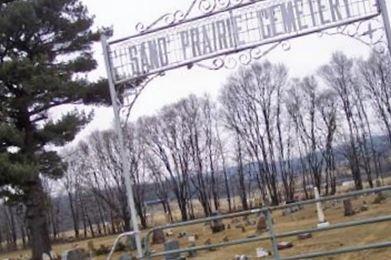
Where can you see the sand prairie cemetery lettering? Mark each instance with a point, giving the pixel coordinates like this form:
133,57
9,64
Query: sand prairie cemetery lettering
231,30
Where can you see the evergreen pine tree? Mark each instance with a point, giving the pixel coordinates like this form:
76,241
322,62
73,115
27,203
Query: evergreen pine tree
45,47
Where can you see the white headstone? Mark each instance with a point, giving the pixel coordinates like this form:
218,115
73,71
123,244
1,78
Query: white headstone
261,252
319,210
191,239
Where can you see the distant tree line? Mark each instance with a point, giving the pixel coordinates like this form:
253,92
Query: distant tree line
268,137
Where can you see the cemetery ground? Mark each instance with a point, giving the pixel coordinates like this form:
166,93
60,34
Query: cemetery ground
364,207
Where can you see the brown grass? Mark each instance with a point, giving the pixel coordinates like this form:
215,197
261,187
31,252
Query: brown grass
303,219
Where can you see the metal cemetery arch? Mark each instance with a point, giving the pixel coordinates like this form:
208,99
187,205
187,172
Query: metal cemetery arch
211,29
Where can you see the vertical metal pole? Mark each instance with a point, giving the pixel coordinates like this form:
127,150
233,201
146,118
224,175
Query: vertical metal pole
269,223
386,21
125,161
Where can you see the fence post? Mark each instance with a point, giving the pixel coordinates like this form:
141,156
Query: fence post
269,223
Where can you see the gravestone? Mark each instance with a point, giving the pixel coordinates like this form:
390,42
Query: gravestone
191,239
169,232
216,225
284,245
171,245
158,237
127,257
321,218
348,208
304,236
75,254
182,234
261,223
261,252
243,229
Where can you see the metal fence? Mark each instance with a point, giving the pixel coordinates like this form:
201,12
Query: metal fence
272,236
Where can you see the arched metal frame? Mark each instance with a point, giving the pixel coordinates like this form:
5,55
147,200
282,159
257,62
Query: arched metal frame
123,105
372,32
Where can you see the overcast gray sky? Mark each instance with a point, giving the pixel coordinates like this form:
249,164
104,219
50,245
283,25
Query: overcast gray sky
305,56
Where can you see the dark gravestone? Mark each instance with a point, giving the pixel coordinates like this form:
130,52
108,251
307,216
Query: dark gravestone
171,245
75,254
182,234
216,225
261,223
348,208
158,237
304,236
284,245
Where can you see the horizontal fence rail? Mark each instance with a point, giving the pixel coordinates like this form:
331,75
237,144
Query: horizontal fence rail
267,211
281,235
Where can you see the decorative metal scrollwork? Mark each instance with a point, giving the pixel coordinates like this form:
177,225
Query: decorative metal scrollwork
243,58
369,32
197,8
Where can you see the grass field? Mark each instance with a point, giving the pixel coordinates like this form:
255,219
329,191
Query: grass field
306,218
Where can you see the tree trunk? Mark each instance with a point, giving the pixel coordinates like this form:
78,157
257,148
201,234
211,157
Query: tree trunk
75,218
36,202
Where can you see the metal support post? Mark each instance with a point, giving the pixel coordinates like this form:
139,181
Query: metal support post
125,161
269,223
387,23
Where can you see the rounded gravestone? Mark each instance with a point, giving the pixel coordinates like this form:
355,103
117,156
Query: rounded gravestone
261,223
75,254
216,225
348,208
171,245
158,237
